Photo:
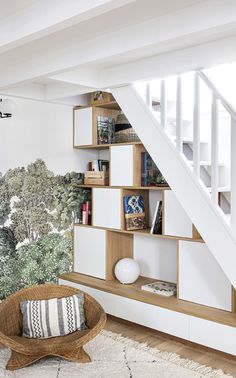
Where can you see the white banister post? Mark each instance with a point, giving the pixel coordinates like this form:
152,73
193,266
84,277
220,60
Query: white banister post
179,116
196,126
233,174
163,103
148,95
214,150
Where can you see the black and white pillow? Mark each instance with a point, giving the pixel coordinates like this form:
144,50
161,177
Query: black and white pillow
53,317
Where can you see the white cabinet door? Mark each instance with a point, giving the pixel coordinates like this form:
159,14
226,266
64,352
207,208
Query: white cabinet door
83,127
121,163
158,318
201,279
213,335
176,221
90,251
106,207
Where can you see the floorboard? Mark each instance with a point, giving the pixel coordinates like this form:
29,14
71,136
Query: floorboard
165,342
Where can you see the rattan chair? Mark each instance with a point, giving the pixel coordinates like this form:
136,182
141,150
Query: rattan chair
25,351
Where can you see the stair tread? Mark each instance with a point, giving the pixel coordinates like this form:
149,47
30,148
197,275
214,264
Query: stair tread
189,140
206,163
221,189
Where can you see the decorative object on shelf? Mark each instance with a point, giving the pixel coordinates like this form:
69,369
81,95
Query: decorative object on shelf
7,107
157,220
134,213
164,288
100,97
127,270
106,130
96,178
150,174
124,131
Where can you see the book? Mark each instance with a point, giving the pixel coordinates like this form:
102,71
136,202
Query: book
154,217
134,213
150,174
164,288
98,165
106,130
157,228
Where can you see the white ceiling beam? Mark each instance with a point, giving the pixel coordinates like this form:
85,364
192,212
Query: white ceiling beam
59,90
45,17
33,91
205,21
171,63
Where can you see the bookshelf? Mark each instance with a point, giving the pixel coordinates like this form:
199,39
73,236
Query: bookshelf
176,255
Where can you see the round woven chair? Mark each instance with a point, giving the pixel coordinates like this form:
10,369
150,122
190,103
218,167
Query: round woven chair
25,351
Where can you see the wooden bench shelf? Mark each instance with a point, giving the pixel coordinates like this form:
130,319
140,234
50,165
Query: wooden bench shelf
124,187
104,146
134,291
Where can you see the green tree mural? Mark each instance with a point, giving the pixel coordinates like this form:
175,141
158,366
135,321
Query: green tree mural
4,200
67,201
42,261
33,189
9,265
39,208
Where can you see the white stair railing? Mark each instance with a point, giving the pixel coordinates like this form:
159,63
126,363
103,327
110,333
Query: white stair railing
205,214
217,99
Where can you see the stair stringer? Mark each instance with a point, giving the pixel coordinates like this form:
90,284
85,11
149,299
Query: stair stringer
205,215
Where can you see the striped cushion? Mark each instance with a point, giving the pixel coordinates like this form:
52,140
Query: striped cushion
53,317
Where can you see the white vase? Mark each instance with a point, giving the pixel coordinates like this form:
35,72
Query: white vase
127,270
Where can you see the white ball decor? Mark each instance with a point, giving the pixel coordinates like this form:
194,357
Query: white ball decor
127,270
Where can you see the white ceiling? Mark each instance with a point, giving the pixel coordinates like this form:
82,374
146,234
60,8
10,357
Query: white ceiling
50,50
8,7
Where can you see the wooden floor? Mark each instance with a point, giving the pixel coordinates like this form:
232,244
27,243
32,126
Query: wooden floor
164,342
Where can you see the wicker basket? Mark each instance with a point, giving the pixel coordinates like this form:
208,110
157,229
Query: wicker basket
124,131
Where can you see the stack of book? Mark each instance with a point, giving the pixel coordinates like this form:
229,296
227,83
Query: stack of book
86,212
134,213
157,219
150,174
106,130
98,165
164,288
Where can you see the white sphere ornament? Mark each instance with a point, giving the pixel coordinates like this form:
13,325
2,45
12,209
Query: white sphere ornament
127,270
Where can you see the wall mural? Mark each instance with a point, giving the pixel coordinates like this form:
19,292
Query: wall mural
37,209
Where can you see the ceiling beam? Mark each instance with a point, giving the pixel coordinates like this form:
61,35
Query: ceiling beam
44,17
73,48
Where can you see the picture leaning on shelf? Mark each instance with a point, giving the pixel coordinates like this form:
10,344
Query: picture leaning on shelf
134,210
150,174
105,130
157,220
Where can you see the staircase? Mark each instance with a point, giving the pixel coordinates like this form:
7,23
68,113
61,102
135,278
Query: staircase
180,161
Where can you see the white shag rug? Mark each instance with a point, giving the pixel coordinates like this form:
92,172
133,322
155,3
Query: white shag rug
114,356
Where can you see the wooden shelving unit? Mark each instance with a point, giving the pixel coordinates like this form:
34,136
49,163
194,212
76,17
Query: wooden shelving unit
177,255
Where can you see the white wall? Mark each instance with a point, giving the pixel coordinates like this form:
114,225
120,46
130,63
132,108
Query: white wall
40,130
